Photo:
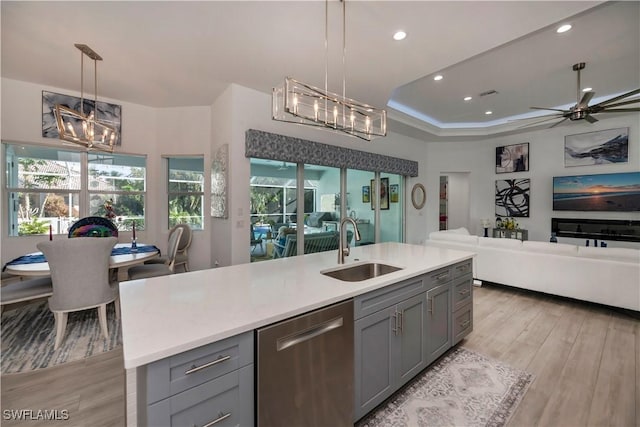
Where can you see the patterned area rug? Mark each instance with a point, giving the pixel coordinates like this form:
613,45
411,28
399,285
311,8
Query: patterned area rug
28,336
462,389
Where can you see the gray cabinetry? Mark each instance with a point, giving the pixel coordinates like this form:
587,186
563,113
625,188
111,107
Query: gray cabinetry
438,321
212,383
402,328
390,343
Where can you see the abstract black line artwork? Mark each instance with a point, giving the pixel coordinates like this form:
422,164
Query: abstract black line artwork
512,197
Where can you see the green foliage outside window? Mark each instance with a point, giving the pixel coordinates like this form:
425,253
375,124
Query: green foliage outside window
35,226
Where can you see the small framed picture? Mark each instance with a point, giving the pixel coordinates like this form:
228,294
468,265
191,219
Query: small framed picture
384,194
393,193
512,158
365,194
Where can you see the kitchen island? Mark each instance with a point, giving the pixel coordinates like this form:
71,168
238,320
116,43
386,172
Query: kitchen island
170,315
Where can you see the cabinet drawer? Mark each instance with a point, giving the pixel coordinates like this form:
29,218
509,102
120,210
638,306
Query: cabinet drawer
438,277
462,268
227,399
462,292
177,373
462,323
382,298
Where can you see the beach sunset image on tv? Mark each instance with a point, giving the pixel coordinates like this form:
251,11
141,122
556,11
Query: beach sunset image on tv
606,192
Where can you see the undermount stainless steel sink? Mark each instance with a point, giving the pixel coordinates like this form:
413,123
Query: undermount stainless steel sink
360,272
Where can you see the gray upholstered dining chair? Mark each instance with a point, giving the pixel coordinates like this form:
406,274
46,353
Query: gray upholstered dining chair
182,256
153,270
80,277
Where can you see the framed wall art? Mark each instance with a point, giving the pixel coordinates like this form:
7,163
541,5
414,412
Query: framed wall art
393,193
108,113
219,177
603,147
512,158
609,192
365,194
512,198
384,194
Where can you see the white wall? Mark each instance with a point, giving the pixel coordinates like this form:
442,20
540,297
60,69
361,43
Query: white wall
145,130
546,154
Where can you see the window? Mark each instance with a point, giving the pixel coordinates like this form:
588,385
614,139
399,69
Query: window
49,187
43,188
186,191
117,180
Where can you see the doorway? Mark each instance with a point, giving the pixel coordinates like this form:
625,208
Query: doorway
454,200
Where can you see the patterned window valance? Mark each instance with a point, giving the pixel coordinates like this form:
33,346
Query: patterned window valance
266,145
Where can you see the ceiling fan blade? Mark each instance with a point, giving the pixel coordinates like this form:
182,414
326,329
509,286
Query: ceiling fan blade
554,117
550,109
620,110
590,119
617,104
584,102
557,123
616,98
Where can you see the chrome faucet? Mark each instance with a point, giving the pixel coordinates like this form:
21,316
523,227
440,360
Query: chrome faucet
343,250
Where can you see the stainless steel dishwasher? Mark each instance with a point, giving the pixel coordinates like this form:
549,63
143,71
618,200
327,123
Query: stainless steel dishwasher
305,370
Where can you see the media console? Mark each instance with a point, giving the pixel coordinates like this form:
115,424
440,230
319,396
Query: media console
601,229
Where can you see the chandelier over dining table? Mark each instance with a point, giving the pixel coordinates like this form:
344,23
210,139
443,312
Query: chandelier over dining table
301,103
79,126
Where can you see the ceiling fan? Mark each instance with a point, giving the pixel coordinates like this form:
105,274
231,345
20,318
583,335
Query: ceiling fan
583,111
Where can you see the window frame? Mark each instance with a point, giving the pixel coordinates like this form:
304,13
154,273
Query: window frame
82,194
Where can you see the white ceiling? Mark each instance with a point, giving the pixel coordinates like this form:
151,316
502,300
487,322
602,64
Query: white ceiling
178,53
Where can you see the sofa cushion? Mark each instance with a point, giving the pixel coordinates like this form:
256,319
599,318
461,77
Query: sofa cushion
461,230
453,237
550,248
500,243
614,254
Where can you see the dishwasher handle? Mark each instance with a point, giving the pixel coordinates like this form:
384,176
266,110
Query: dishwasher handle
307,334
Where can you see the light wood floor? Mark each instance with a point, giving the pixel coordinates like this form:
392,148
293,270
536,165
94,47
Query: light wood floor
586,360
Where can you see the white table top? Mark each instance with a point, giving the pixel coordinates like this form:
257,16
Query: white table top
115,261
163,316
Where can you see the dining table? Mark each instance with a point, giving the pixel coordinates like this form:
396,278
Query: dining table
122,257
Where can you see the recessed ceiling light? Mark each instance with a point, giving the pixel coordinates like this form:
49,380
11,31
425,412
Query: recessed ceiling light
438,77
587,89
563,28
488,112
399,35
467,98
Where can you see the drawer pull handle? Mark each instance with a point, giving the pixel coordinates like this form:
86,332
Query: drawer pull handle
221,417
401,314
442,276
465,324
464,292
430,305
195,368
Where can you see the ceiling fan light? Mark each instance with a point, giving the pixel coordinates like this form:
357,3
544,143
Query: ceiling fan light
587,89
563,28
489,112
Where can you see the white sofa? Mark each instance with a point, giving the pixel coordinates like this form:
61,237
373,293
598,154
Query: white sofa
609,276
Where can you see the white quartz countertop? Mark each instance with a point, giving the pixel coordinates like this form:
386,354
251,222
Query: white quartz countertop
167,315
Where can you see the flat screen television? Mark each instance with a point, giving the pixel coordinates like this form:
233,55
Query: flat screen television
618,192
